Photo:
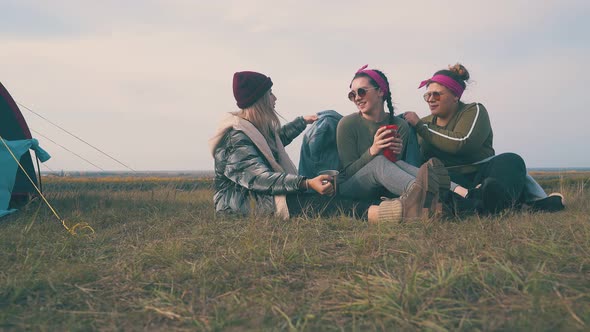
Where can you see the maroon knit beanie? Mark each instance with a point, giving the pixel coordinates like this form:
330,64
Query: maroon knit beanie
249,86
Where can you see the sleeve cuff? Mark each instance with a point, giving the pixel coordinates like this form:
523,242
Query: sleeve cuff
421,127
300,122
301,186
366,157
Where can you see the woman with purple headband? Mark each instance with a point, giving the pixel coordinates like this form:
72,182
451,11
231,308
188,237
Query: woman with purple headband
255,176
461,136
362,140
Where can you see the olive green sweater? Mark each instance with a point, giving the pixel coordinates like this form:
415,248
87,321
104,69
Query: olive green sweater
354,137
466,139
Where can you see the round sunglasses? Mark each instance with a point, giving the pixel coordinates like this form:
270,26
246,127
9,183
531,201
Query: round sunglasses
361,92
434,94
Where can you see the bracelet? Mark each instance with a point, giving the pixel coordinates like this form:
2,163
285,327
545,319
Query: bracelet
306,185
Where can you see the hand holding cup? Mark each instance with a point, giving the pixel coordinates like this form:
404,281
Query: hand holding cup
322,185
329,178
393,149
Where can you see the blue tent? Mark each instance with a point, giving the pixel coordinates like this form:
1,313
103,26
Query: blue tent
14,133
9,150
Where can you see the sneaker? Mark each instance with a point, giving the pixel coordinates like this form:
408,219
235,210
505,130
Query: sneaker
552,203
420,201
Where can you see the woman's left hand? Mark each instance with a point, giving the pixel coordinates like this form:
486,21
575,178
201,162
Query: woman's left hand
309,119
412,118
397,145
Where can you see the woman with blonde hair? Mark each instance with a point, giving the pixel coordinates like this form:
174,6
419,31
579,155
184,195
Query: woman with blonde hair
255,176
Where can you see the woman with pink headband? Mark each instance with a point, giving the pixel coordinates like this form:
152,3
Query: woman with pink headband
362,139
254,175
461,136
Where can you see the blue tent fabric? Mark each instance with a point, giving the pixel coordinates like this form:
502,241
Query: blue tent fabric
8,167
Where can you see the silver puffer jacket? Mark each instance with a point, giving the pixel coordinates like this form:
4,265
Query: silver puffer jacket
244,179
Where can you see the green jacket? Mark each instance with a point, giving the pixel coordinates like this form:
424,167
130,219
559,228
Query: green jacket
466,139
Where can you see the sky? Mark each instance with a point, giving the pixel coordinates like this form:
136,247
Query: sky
147,81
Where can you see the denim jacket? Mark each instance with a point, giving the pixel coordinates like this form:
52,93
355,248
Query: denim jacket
319,151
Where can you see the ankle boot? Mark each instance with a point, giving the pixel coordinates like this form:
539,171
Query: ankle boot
420,201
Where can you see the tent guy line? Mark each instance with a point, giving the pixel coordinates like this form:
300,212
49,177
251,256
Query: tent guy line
76,137
49,168
63,147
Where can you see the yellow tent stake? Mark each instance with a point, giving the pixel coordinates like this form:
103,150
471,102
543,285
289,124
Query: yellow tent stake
63,222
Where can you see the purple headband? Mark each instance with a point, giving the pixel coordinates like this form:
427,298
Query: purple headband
445,80
376,77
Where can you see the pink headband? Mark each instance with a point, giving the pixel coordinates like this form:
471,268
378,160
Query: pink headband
376,77
450,83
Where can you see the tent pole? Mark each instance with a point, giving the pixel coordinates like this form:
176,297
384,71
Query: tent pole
39,173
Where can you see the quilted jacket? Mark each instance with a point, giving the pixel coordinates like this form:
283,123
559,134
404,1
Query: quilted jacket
245,182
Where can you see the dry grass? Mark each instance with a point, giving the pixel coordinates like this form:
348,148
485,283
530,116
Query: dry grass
161,260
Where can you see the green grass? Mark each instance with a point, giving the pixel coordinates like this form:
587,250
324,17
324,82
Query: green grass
161,260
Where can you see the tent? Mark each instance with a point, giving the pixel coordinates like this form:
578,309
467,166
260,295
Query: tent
15,133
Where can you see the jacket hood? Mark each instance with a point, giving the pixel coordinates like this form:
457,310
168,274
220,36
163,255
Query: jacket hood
226,124
329,113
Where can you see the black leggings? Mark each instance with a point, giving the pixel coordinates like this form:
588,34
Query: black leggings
502,178
314,205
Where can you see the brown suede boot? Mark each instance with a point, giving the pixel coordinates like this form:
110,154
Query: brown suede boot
420,201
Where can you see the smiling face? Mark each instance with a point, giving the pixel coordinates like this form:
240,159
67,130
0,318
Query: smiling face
273,99
372,102
441,101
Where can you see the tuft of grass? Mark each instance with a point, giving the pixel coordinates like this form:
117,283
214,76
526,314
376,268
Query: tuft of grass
161,260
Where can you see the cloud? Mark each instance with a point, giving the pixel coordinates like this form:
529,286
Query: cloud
144,76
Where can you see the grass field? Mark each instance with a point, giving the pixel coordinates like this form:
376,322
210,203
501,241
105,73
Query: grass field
160,260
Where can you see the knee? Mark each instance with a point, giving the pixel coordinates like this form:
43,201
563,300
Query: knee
379,166
512,159
380,161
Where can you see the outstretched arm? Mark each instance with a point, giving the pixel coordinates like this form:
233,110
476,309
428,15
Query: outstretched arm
291,130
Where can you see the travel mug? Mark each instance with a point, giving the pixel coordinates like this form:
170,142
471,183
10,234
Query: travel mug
387,152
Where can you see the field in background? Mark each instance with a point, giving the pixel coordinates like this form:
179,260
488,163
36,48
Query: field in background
161,260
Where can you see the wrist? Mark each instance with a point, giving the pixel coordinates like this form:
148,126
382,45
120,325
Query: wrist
303,184
372,153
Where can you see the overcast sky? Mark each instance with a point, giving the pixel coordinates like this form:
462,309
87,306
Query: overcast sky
147,81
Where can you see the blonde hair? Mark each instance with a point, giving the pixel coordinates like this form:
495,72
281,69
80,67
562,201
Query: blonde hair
263,116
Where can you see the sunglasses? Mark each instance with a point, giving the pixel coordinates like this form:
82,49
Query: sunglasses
361,92
434,94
